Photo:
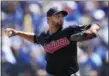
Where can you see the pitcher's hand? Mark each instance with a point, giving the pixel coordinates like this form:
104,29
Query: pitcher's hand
10,32
95,28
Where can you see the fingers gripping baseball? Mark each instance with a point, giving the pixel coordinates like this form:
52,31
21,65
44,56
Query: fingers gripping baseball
10,32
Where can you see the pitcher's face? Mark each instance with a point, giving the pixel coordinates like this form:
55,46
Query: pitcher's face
57,19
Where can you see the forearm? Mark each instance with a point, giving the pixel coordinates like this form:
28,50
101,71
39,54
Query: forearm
26,35
86,34
81,36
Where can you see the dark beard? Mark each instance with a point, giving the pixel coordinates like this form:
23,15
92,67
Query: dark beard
59,25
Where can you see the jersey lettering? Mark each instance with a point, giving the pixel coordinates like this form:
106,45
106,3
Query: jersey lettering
55,45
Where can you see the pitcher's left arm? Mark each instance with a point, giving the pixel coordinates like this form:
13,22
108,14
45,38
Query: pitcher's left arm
86,34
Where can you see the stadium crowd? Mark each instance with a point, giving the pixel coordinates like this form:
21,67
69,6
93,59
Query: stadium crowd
23,58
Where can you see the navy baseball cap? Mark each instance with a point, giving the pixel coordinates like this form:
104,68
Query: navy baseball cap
53,11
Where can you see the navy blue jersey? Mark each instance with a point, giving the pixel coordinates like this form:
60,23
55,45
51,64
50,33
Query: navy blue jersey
61,52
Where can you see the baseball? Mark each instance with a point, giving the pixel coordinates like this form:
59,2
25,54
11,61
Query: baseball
9,33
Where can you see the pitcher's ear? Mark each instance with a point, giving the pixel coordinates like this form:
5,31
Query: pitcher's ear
49,17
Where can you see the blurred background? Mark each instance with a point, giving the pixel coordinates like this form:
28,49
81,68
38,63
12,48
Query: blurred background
23,58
